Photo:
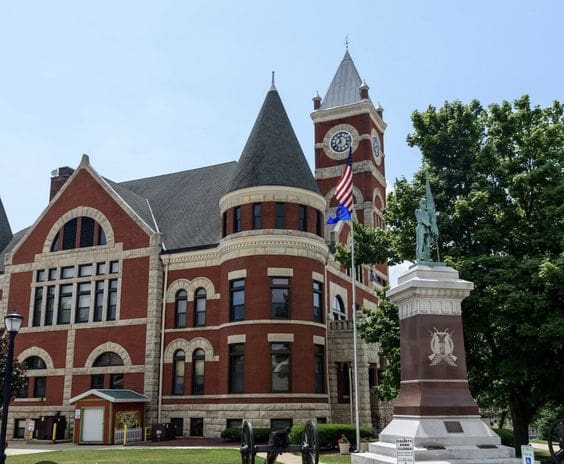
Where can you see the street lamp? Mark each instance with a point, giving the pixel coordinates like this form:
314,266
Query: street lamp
13,324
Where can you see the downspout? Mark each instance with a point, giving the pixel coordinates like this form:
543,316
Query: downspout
161,358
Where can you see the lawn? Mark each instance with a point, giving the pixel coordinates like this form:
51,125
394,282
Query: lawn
132,456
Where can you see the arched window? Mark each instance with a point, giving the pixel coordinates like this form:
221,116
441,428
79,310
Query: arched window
198,360
80,232
108,358
200,307
178,361
181,308
39,382
338,309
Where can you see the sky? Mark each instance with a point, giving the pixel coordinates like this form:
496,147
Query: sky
152,87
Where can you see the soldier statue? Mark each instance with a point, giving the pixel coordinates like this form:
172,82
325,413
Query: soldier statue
427,231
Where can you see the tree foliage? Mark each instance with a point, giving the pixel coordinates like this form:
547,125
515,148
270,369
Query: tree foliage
18,372
497,176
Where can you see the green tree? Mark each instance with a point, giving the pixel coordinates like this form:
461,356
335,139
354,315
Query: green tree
18,372
497,176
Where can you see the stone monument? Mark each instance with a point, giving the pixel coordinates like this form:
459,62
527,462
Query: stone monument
434,407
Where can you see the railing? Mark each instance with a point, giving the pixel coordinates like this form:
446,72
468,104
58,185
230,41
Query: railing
340,325
131,434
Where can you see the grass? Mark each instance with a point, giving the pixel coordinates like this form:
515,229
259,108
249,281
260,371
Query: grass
334,459
132,456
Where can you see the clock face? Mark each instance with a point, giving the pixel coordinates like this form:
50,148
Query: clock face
341,141
376,146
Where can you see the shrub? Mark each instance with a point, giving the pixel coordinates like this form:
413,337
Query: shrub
234,434
506,436
329,434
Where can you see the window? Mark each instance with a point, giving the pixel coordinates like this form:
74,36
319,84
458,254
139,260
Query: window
23,392
50,305
108,358
236,367
116,381
237,299
318,222
79,232
19,428
181,308
280,300
67,272
99,301
257,215
343,382
196,426
280,216
85,270
53,274
83,303
200,307
302,218
224,225
178,424
114,267
279,424
39,387
319,368
372,375
179,362
40,275
112,300
280,364
100,268
35,362
65,303
97,381
234,423
37,303
338,309
236,219
198,360
317,301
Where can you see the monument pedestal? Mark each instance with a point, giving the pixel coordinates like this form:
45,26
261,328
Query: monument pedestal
434,406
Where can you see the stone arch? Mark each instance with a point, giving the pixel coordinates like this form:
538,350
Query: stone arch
176,344
108,346
40,353
204,283
378,200
179,284
204,344
357,194
87,211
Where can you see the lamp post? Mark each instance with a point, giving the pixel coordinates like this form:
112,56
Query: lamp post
13,323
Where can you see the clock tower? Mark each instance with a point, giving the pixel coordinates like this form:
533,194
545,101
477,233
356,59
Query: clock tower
347,118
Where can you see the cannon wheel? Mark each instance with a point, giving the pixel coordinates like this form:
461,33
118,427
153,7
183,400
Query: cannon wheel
310,446
556,442
248,451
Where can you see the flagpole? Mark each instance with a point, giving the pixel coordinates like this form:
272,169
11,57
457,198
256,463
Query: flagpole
355,355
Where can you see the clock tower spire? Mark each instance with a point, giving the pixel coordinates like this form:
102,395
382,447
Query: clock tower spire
346,118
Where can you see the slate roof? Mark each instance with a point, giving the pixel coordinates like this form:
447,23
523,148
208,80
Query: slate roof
113,396
185,204
344,88
272,154
5,229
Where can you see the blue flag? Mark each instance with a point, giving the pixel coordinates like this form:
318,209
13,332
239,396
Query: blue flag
341,214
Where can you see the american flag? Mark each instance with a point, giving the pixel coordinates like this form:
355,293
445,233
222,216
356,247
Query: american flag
344,192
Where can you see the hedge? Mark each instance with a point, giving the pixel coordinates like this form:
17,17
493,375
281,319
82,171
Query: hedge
234,434
506,436
330,433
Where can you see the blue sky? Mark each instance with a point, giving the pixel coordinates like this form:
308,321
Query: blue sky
147,88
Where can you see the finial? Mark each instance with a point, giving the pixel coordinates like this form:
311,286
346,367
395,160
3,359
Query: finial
379,107
347,42
273,86
316,101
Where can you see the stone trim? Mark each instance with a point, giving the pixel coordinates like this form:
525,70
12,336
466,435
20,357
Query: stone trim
280,338
445,307
361,107
271,193
246,395
40,353
108,346
189,347
231,339
191,287
360,166
240,274
317,340
318,277
280,272
84,325
191,260
95,214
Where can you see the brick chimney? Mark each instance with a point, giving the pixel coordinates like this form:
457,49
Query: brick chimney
58,178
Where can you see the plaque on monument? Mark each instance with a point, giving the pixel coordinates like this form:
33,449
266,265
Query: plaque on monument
527,454
405,451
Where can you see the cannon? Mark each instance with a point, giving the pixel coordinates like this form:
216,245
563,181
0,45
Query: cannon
278,443
556,441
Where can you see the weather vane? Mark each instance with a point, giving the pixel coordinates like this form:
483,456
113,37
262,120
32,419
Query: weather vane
347,42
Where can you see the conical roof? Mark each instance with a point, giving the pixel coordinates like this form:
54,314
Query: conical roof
5,229
344,88
272,154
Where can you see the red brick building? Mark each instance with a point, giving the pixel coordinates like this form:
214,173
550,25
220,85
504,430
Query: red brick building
211,291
